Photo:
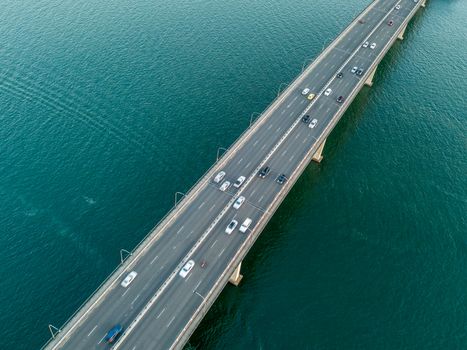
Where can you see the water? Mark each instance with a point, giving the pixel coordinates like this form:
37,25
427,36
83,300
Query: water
109,107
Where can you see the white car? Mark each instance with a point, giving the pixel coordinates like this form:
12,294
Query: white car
305,91
328,92
372,46
365,44
398,7
245,225
230,227
354,69
187,268
313,123
238,203
128,279
219,177
239,181
225,186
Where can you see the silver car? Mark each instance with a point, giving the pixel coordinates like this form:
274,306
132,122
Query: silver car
225,186
238,203
187,268
313,123
230,227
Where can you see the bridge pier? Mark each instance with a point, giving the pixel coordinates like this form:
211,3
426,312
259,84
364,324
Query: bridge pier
369,80
236,276
401,33
318,157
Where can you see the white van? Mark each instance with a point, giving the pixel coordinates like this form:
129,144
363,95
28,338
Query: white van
245,225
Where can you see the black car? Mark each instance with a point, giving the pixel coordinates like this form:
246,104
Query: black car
306,119
264,172
339,75
340,99
281,179
360,72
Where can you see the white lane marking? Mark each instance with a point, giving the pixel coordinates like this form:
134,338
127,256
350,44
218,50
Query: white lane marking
284,153
125,292
278,129
181,228
197,286
186,279
320,106
173,248
152,261
92,330
191,232
295,98
256,142
210,209
327,110
283,111
214,243
304,140
134,347
173,318
296,137
248,165
160,314
146,285
241,160
253,192
135,299
291,158
263,147
261,199
100,341
201,205
270,126
162,267
222,251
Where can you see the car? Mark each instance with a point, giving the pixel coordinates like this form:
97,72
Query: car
340,99
360,72
327,92
128,279
113,333
220,175
281,179
230,227
187,268
397,7
372,46
361,21
305,91
390,23
354,69
365,44
264,172
245,225
306,119
311,96
313,123
339,75
238,203
225,186
239,181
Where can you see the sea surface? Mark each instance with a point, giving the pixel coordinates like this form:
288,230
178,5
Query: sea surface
107,108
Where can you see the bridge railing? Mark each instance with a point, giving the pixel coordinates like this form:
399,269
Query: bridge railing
178,208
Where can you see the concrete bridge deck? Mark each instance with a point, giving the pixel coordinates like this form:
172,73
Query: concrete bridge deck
160,309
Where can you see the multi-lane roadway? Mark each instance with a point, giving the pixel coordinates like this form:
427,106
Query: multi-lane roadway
157,309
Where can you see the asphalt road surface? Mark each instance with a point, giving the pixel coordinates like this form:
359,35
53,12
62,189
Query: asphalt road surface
281,140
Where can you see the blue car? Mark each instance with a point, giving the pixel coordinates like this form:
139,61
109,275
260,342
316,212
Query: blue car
113,333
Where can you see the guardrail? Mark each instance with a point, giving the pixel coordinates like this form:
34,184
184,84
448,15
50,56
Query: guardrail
269,212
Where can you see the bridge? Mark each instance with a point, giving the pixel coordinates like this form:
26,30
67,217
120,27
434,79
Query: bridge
161,309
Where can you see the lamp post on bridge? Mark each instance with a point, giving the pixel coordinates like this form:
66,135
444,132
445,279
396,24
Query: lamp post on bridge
280,87
306,63
54,330
220,149
176,197
122,259
253,116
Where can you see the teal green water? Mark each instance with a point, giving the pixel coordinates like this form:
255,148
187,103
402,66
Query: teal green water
109,107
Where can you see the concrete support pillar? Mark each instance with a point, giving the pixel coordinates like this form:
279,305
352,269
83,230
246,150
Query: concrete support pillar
369,80
401,33
236,276
318,157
